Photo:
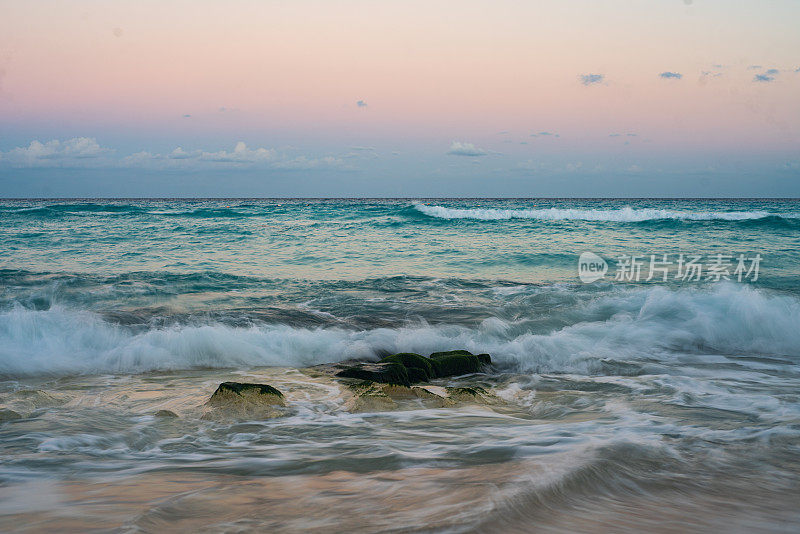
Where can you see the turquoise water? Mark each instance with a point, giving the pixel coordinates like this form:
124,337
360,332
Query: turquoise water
627,397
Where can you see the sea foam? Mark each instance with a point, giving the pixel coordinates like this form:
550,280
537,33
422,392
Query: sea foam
626,214
651,326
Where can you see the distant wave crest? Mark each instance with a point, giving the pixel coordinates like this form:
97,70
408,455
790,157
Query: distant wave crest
626,214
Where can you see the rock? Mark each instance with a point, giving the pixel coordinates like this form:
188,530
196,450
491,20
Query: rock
165,413
419,368
455,363
450,353
240,400
241,389
372,397
369,397
470,395
406,368
8,415
382,372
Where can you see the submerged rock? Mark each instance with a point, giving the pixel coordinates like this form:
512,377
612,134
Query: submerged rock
240,400
373,397
165,413
470,395
8,415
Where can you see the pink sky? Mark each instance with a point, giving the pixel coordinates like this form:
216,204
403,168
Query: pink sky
430,73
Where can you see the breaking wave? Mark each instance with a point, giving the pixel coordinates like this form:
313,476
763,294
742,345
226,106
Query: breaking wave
643,326
626,214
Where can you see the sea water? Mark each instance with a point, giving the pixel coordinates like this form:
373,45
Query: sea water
660,403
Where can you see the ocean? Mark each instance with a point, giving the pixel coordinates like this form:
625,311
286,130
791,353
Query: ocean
663,395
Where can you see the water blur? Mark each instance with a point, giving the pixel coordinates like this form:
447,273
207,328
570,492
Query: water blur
625,406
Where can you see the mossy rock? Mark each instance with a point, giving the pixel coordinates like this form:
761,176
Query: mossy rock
236,400
450,353
382,372
415,375
455,363
369,397
485,359
470,395
373,397
419,368
241,389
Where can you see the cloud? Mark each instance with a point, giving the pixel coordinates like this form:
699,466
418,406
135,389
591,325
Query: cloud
180,153
85,152
240,154
674,75
766,76
589,79
545,134
56,152
361,104
754,67
465,149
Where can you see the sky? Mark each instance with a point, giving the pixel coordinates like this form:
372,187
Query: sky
527,98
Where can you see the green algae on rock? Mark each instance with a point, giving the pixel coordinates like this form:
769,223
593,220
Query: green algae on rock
455,362
241,400
373,397
419,368
382,372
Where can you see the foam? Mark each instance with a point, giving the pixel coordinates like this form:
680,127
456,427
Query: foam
626,214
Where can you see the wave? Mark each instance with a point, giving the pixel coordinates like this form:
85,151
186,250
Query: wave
638,327
626,214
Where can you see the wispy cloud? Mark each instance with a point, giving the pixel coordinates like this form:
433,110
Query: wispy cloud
240,154
361,104
86,152
545,134
56,153
458,148
590,79
671,75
